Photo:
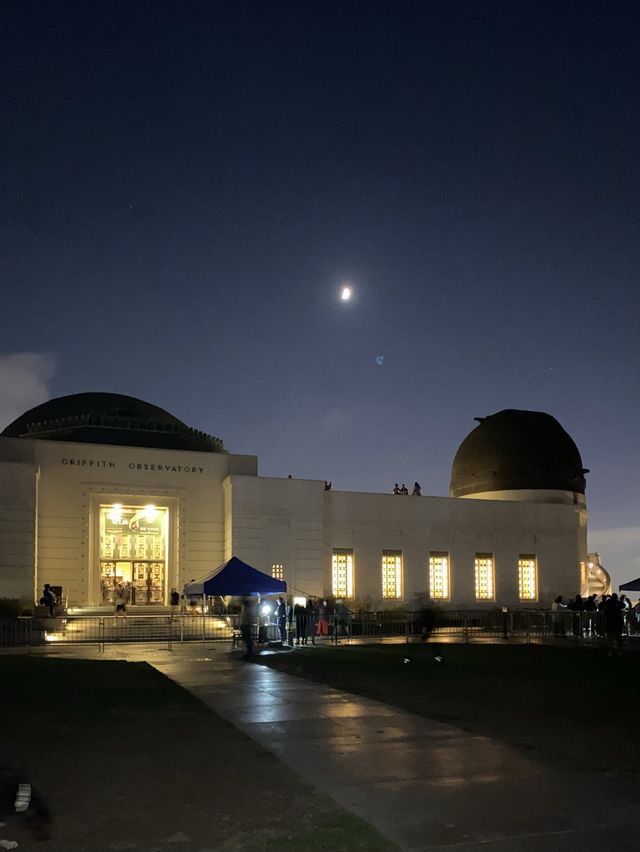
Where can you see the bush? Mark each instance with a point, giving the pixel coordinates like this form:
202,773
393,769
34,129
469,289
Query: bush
10,607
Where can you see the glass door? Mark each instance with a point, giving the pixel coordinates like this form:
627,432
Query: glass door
112,575
148,583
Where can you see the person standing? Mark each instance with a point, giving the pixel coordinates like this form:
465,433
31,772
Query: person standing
312,619
625,606
300,614
557,618
49,599
281,619
590,608
121,599
342,619
323,625
577,605
600,615
613,625
247,618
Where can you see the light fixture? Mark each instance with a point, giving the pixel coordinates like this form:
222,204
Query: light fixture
115,514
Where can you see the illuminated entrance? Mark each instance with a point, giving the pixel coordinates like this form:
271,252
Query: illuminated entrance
133,553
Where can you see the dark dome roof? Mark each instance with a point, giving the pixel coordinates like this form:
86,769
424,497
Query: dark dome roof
517,450
110,418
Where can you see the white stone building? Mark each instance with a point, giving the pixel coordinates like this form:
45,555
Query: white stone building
100,489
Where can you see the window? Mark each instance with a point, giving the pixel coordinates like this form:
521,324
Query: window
342,573
392,574
484,577
439,576
527,577
277,572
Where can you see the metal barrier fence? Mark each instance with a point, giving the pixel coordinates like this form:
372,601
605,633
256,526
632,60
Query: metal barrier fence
528,625
111,629
420,626
468,625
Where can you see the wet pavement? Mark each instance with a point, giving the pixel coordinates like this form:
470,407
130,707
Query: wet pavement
425,784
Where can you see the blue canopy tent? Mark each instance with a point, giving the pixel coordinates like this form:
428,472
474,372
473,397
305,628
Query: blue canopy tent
631,586
235,577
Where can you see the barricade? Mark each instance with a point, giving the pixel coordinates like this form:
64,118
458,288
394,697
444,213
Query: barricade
114,629
561,627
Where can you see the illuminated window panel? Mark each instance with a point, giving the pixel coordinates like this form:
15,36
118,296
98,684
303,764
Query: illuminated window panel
527,577
133,551
484,577
439,576
277,571
342,573
391,575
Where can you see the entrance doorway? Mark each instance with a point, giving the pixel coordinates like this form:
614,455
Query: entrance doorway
133,548
144,582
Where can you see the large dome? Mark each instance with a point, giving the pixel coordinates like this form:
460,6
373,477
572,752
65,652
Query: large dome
517,450
109,418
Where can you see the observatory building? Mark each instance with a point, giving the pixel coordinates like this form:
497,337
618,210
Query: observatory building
98,489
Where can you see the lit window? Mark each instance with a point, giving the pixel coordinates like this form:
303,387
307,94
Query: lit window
391,574
527,577
342,573
439,576
277,572
484,577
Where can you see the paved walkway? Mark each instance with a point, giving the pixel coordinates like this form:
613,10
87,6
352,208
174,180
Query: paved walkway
425,784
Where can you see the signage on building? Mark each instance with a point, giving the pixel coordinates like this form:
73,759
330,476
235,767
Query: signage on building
159,468
88,462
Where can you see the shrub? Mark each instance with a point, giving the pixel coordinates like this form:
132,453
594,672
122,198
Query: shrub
10,607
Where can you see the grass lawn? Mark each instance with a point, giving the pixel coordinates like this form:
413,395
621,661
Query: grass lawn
127,760
568,705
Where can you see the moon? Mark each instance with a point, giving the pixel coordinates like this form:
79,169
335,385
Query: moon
346,293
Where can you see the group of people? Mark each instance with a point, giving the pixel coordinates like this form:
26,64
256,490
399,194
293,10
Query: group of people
311,621
402,489
126,593
611,616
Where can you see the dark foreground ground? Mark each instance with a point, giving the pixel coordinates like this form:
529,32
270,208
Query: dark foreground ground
567,705
128,760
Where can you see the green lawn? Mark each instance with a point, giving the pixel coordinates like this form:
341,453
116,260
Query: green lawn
126,759
570,705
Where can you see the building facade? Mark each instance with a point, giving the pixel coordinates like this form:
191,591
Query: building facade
98,490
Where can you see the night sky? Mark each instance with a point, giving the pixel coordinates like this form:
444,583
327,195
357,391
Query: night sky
186,186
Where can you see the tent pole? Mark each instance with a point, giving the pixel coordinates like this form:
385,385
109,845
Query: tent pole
204,598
